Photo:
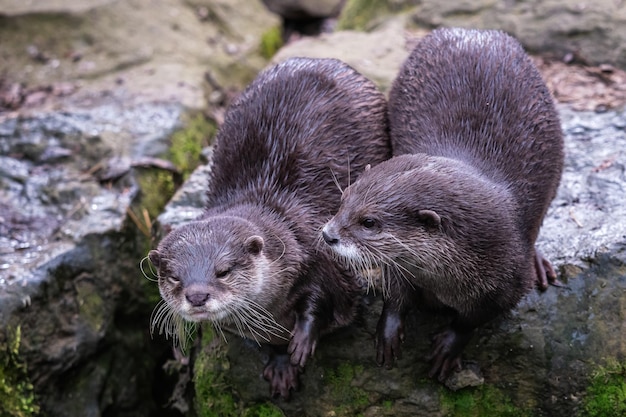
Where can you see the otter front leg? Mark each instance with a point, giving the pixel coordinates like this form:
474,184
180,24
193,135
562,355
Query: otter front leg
390,332
304,339
281,374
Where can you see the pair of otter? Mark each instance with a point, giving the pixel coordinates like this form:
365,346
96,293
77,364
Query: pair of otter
450,221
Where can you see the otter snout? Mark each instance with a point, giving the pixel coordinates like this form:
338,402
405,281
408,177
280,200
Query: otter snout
196,295
329,235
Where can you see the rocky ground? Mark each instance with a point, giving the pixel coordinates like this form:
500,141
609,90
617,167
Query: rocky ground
90,96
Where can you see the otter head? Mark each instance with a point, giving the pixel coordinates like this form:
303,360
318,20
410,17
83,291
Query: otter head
214,270
421,218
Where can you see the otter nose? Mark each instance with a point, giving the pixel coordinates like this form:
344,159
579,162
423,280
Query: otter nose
197,299
328,238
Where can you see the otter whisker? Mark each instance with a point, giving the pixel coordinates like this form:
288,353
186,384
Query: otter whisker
283,252
255,322
400,268
158,313
171,325
266,317
278,272
218,328
154,274
243,324
236,320
336,181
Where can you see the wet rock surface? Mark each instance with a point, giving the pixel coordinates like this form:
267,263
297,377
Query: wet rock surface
68,264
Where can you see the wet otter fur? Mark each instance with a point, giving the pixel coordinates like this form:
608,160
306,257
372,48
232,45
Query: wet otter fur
252,263
450,222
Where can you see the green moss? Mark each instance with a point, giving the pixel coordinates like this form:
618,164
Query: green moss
342,390
387,405
486,400
263,410
185,152
187,144
91,306
606,394
157,187
213,397
357,14
16,392
271,42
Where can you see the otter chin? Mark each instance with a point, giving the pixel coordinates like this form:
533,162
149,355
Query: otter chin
450,222
252,264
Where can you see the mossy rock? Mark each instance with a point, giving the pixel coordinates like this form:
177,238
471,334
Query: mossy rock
486,400
17,398
606,394
271,42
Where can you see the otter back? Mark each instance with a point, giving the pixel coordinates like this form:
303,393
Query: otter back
476,96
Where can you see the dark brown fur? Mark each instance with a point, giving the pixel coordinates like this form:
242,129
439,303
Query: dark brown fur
298,128
454,222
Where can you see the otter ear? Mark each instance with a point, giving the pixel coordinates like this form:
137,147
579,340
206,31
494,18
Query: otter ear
155,258
254,244
368,167
430,218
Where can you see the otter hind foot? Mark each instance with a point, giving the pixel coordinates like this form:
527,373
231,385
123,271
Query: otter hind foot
281,375
545,272
445,356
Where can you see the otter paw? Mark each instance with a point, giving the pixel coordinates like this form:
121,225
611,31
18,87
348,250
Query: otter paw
446,354
389,337
282,376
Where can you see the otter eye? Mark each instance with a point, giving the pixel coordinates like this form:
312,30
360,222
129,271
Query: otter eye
368,222
221,273
173,279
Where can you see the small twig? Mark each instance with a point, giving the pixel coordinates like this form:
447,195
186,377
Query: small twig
142,228
146,218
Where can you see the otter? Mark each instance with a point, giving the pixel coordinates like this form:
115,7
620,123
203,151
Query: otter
450,222
252,263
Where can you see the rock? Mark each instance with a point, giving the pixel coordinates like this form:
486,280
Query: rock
588,32
469,376
591,32
109,47
68,269
378,54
